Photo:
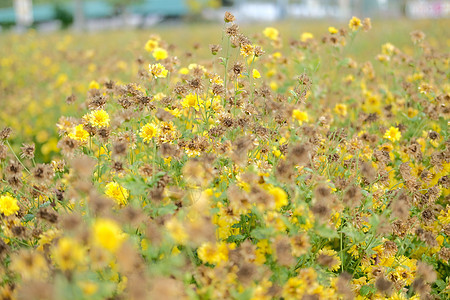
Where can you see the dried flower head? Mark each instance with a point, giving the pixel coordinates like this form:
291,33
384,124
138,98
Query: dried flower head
417,36
27,151
5,133
232,30
229,17
215,49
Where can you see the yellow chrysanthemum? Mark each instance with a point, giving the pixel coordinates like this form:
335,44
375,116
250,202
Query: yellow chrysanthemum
108,234
341,109
68,254
94,85
213,254
354,24
88,287
151,45
280,197
294,288
78,133
256,74
392,134
306,36
98,118
159,53
332,30
8,205
184,71
158,70
300,116
29,264
247,50
149,131
117,192
335,263
191,100
271,33
177,231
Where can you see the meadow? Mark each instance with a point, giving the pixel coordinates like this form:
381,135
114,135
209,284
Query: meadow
296,160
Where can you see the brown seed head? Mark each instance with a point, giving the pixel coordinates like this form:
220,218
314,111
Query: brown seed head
232,30
5,133
215,49
229,17
417,36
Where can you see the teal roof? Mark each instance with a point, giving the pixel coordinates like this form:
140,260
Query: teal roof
7,15
100,9
161,7
44,12
94,9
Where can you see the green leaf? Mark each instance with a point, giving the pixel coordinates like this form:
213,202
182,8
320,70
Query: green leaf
441,284
166,210
245,295
367,290
235,238
28,217
327,232
262,233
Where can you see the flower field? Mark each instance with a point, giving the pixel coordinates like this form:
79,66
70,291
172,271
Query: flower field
231,162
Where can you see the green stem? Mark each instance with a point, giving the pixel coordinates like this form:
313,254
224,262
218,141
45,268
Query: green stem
15,155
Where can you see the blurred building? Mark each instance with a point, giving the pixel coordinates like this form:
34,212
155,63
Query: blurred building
100,14
342,9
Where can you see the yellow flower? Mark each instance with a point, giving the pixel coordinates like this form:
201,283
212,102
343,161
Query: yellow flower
273,85
151,45
29,264
191,101
78,133
444,217
174,112
300,244
294,288
108,234
47,237
159,96
158,70
306,36
184,71
372,104
68,254
8,205
392,134
98,118
256,74
425,88
148,131
354,24
217,80
159,53
280,197
213,254
94,85
271,33
88,287
246,50
332,264
332,30
341,109
177,231
117,192
300,116
387,49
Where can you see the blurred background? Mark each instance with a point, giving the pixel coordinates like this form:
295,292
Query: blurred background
92,15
